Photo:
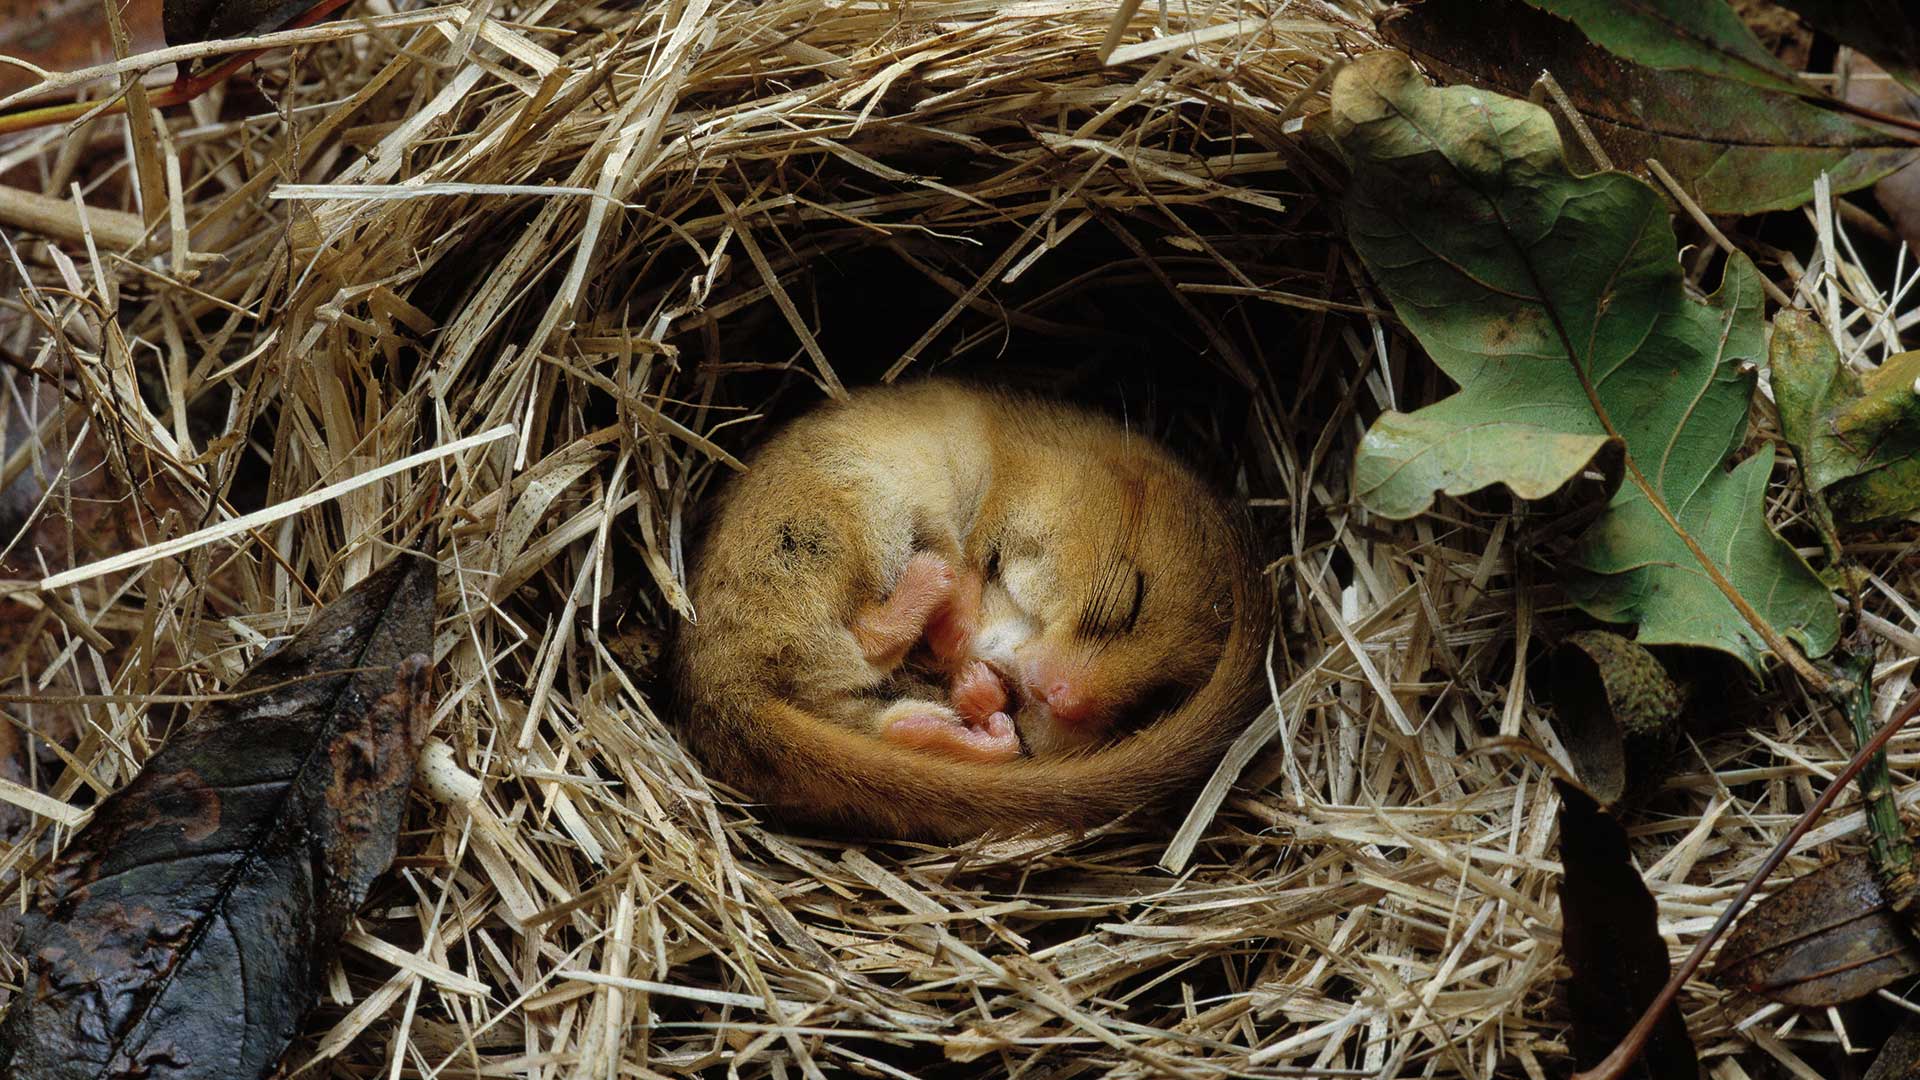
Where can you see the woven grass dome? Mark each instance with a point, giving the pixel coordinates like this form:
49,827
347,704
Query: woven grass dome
623,241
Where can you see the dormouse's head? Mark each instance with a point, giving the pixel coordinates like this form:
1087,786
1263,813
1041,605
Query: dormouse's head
1107,596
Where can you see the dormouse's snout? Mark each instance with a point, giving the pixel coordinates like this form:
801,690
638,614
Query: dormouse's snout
1068,690
1099,609
1068,704
1064,703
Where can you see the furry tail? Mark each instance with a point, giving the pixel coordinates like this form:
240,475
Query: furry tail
820,772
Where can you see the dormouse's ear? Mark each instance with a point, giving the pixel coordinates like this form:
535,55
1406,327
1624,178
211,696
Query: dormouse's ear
1028,581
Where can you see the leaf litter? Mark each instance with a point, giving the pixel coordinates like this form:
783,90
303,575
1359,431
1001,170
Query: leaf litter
571,896
1826,938
181,932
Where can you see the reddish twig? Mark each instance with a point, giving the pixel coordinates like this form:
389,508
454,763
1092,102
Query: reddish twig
184,89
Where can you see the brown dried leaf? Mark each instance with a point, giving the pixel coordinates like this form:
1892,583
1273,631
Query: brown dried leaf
1616,709
180,932
1825,939
1899,1058
1899,192
1610,935
65,506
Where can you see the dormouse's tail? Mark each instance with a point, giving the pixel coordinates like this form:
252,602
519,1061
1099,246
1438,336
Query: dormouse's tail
824,773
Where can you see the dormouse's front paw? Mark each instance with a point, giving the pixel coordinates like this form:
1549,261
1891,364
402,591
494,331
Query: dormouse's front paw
888,629
978,693
923,725
950,631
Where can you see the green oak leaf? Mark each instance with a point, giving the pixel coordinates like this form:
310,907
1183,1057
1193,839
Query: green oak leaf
1544,295
1856,436
1734,149
1680,35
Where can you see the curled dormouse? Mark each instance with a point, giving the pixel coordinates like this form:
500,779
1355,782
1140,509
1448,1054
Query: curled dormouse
937,610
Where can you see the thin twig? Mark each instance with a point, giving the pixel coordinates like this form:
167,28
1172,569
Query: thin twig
1615,1063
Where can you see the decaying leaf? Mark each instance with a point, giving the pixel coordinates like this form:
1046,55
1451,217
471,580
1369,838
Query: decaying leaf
1696,35
180,932
1610,935
1899,1056
1734,149
1827,938
1856,436
1616,710
187,21
1543,294
1883,29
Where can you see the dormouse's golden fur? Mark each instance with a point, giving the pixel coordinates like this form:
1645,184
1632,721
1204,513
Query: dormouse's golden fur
879,548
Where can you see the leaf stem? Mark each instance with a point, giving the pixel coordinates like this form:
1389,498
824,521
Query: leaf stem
1909,124
1887,844
1615,1064
1815,679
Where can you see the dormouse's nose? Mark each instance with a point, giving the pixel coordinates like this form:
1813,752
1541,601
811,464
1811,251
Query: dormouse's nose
1067,701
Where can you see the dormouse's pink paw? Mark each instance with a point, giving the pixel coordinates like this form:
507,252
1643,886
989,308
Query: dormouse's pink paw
992,741
950,630
886,630
925,584
978,693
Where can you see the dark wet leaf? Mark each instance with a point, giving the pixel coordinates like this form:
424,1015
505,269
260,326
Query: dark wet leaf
1680,35
187,21
1544,293
1610,936
1887,30
1616,710
181,931
1734,149
1856,435
1899,1058
1828,938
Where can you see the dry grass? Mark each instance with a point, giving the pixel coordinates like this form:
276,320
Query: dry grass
618,238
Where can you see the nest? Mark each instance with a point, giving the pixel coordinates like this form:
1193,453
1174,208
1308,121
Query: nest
568,260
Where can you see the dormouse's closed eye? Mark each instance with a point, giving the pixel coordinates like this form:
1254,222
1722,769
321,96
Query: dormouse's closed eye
1114,608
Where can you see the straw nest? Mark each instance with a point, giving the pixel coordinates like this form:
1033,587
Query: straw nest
622,239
